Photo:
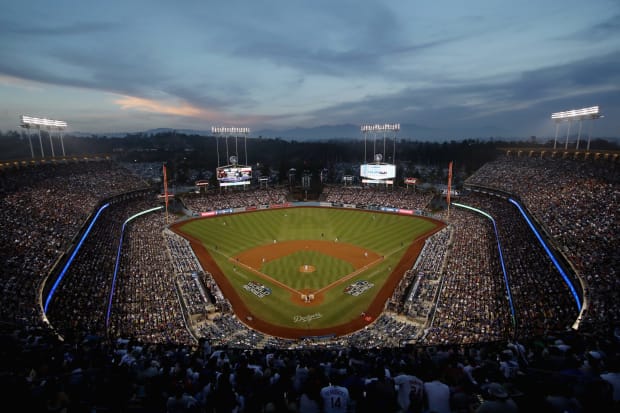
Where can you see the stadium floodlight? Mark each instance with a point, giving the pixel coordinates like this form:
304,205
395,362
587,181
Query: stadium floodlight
50,124
29,120
373,129
592,112
381,128
231,131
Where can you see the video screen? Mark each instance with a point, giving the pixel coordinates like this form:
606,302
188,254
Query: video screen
378,171
234,175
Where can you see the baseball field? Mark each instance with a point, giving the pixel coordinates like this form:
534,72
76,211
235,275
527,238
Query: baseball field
307,271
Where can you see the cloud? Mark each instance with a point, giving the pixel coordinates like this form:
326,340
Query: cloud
187,110
13,81
309,63
533,93
606,29
333,38
179,109
52,28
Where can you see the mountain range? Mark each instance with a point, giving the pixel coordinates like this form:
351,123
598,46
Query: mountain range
336,132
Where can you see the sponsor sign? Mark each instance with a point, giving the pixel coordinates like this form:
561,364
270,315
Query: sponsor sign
378,181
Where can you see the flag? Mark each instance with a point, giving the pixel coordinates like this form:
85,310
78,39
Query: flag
165,187
449,183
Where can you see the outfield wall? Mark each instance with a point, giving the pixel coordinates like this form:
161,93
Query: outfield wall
400,211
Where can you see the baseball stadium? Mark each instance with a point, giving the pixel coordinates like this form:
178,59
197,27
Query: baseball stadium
114,283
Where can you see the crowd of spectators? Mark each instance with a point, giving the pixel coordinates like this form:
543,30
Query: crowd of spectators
234,198
542,300
146,302
568,372
395,197
577,204
81,300
42,208
471,304
154,356
186,292
415,295
198,286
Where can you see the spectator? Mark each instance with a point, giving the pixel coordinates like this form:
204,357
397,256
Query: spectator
497,400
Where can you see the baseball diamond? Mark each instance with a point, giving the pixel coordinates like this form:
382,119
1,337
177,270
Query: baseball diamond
310,259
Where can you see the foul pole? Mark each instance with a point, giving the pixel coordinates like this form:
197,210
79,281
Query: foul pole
165,192
449,187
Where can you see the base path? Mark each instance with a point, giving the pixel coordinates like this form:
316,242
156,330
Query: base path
357,256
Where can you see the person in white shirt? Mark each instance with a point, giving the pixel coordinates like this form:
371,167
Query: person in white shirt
436,394
410,390
335,397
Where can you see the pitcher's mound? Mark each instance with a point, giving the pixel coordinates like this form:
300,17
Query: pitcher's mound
307,268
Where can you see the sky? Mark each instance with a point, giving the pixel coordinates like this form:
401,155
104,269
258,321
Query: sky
474,67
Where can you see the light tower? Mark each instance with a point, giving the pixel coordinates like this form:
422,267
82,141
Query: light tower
591,113
230,131
380,170
385,129
234,173
28,122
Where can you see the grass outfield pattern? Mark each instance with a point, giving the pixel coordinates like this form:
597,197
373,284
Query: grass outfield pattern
387,235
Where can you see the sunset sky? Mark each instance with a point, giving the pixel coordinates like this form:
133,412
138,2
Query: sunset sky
125,66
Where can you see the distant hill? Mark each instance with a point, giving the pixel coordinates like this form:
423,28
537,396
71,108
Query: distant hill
179,131
149,132
408,131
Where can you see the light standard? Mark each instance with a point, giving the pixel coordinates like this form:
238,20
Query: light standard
592,113
28,122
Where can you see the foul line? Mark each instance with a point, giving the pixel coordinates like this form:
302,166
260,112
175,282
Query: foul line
263,275
348,276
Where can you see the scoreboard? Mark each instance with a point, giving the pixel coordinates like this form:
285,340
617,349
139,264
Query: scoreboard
234,175
377,172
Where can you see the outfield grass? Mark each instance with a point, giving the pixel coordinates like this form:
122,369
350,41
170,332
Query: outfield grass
387,235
